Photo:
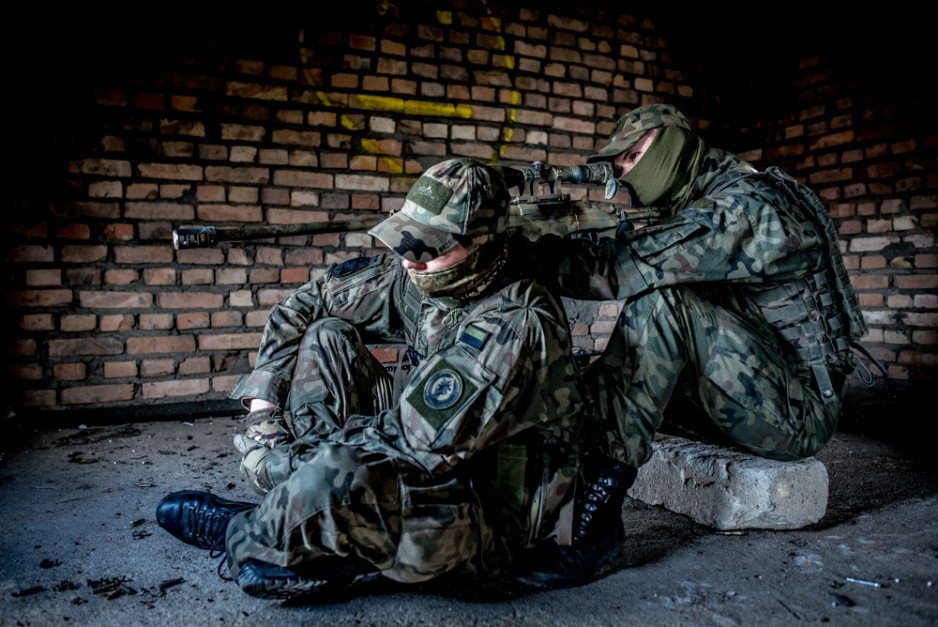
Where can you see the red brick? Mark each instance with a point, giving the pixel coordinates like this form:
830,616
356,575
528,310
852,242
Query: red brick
195,365
228,174
294,275
116,322
41,298
830,176
170,171
26,372
142,191
179,387
198,276
188,300
192,320
264,275
241,298
83,254
109,300
272,296
101,167
29,254
159,276
871,244
869,281
78,322
161,321
157,367
291,178
899,301
225,383
226,319
43,278
161,344
87,209
117,231
917,282
201,257
834,139
256,91
229,341
920,319
256,318
37,322
98,394
120,277
38,398
73,231
362,42
242,132
362,182
231,276
24,348
311,139
86,346
76,371
132,255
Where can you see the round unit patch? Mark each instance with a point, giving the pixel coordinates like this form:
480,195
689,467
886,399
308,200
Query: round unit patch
442,390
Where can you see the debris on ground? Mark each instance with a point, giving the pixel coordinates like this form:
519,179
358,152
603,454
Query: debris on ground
110,587
47,563
25,592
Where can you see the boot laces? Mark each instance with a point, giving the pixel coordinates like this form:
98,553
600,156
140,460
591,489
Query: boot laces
207,527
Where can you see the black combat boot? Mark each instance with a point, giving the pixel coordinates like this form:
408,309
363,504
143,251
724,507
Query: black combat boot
324,576
198,518
597,531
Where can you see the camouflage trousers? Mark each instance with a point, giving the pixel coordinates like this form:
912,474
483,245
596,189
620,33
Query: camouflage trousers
329,500
710,374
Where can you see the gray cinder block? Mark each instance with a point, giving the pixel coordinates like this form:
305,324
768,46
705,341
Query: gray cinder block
727,489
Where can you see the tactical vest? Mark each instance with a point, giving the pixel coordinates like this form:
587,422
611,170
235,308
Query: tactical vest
515,473
817,315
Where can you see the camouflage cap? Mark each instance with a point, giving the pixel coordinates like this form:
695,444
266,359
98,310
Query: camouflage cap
459,197
631,126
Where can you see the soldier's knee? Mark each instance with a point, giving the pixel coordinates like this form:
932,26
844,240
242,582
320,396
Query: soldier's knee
331,327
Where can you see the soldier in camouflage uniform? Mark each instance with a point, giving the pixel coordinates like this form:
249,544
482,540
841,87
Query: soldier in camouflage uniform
738,317
459,468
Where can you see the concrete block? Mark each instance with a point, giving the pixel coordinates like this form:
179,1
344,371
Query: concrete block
728,489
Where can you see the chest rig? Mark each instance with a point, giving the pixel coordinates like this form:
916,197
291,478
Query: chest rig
816,315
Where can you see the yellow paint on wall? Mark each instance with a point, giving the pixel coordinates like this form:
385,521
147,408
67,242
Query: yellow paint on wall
444,17
504,60
348,123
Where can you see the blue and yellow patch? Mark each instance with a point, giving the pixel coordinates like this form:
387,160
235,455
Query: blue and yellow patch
474,337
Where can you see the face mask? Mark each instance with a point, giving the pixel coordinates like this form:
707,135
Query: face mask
665,174
471,276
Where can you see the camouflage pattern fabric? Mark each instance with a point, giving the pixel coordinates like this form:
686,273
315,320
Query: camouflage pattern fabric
476,461
736,237
631,126
735,375
458,197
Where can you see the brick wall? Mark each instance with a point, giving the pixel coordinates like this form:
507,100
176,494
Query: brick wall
868,147
102,312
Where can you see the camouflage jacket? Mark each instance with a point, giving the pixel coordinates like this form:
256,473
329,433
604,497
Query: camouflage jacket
741,239
496,394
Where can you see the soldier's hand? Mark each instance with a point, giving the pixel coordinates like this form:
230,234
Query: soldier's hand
266,427
253,456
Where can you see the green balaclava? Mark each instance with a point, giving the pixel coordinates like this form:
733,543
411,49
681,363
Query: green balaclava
665,174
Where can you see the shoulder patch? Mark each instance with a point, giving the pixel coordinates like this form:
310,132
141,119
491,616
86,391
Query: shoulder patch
474,337
352,266
442,395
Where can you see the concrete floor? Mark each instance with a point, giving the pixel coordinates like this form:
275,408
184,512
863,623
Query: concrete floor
80,546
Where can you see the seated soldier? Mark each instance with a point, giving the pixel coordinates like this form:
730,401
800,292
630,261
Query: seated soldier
738,320
473,458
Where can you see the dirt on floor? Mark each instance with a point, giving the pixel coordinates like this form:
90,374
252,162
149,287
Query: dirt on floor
80,545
